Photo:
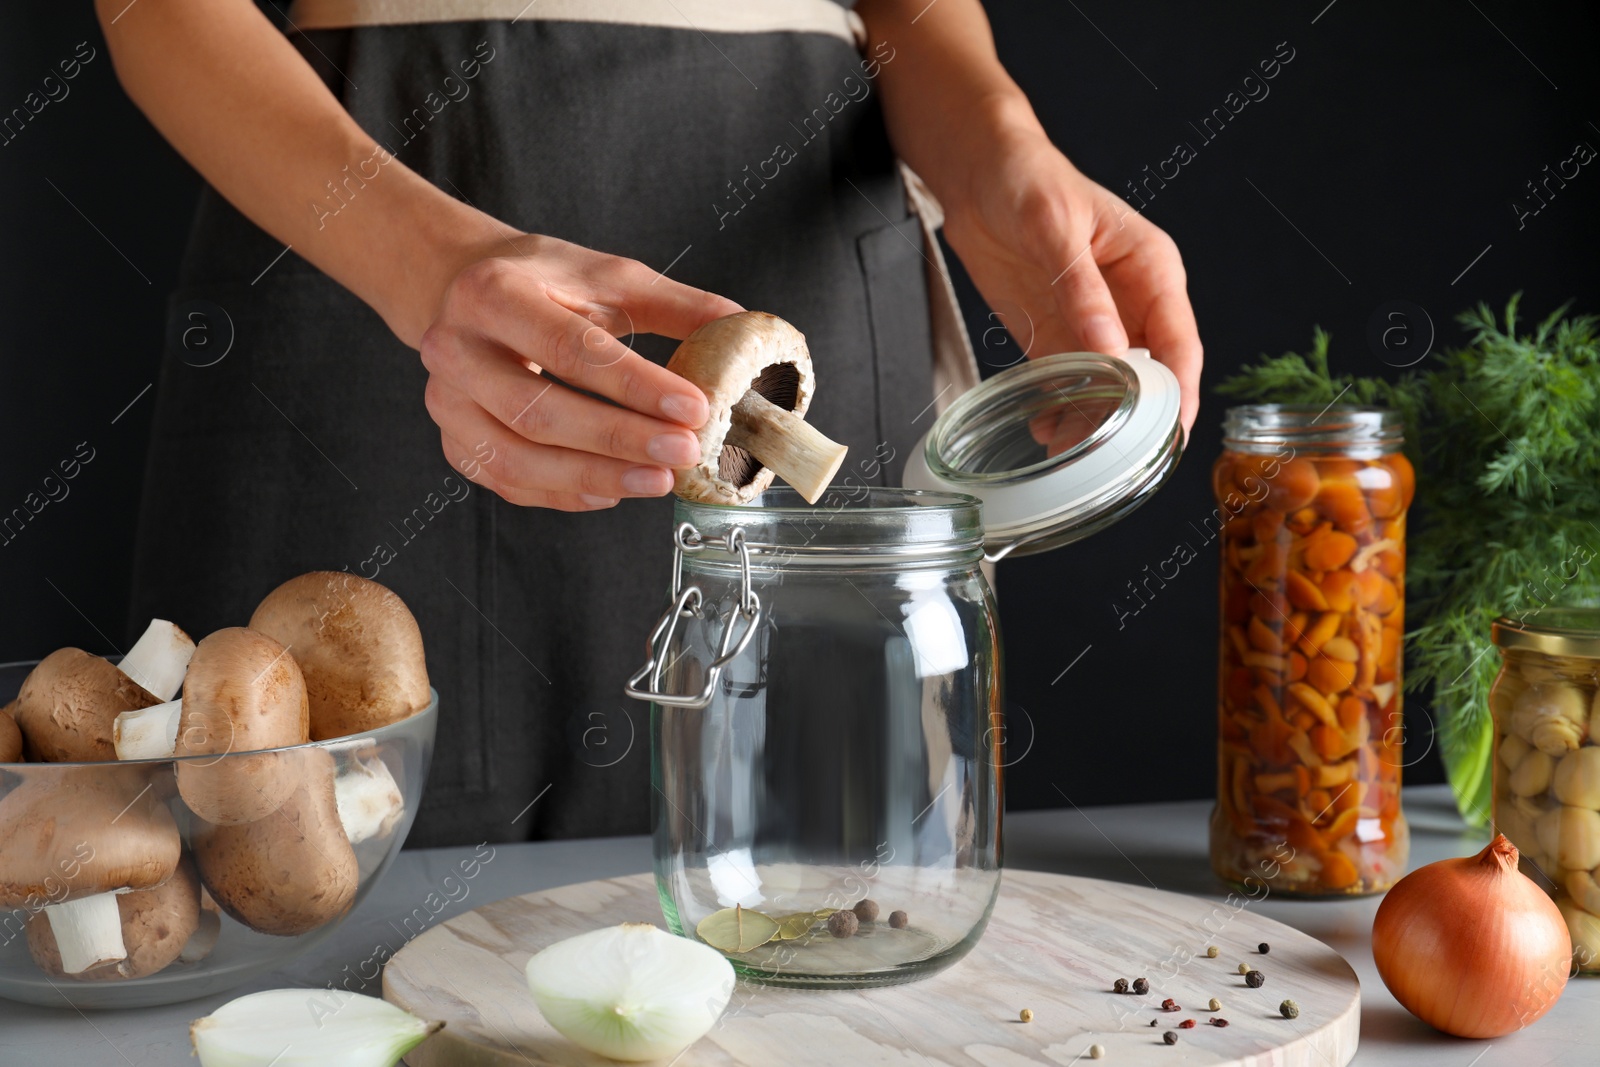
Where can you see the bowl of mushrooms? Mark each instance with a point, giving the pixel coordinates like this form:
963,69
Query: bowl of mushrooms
196,814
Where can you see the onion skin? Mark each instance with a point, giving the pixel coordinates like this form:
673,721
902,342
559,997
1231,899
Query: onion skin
1471,946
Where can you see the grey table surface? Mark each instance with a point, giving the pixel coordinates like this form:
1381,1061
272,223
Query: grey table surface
1163,845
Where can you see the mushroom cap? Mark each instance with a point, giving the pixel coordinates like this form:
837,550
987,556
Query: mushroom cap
726,358
358,647
156,924
10,738
243,693
69,703
80,831
292,872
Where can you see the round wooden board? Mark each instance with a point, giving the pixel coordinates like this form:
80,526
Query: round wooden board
1055,944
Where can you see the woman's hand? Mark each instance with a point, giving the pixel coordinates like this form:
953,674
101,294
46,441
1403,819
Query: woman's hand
1068,265
519,334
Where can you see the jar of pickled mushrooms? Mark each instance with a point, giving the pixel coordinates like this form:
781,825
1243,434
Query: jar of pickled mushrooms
1547,760
1311,517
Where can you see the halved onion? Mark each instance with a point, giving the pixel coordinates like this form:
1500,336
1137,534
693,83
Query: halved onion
631,992
307,1028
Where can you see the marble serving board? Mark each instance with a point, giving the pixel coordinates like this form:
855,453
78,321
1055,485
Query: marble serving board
1055,945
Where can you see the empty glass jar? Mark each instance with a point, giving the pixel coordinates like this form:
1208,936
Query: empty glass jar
825,697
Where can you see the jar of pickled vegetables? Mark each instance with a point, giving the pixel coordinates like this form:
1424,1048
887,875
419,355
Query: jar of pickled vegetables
1311,516
1547,760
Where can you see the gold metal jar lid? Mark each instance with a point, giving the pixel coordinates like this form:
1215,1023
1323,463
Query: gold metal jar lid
1553,631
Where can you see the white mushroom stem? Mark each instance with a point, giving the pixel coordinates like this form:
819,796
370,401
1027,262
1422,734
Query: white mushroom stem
205,935
158,660
796,451
88,932
147,733
368,799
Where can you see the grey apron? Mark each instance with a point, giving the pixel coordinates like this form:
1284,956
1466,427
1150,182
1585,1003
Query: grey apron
307,446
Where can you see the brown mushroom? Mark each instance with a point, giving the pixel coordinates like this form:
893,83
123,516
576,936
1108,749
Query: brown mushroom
69,703
357,645
10,737
243,693
755,371
71,842
156,925
294,870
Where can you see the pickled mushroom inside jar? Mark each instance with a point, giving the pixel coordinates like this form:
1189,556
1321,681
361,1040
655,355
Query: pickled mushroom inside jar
1313,605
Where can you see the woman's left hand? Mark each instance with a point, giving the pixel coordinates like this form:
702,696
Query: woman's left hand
1068,265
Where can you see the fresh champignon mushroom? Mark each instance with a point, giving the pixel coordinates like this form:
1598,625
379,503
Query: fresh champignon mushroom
243,693
357,645
71,843
755,371
157,660
156,925
69,703
10,737
294,870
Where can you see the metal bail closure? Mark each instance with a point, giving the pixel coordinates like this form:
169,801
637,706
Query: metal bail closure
686,601
1056,448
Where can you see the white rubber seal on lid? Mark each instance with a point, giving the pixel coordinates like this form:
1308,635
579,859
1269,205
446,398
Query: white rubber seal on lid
1055,447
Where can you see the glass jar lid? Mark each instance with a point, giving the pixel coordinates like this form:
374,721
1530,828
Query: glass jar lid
1056,447
1553,631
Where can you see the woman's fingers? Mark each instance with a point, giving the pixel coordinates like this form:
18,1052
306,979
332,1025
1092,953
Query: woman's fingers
522,467
513,305
626,297
540,498
547,412
1173,338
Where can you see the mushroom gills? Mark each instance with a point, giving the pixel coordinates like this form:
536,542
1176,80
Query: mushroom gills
147,733
88,931
158,660
795,450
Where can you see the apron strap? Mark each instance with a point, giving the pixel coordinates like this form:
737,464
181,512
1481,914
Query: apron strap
955,367
715,16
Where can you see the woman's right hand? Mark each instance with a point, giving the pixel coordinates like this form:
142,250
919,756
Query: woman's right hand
519,334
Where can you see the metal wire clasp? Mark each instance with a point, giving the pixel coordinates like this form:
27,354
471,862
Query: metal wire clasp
686,601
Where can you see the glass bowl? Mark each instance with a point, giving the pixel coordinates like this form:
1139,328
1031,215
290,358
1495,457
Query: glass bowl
377,780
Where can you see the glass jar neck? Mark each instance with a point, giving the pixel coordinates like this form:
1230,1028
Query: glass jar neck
848,527
1336,428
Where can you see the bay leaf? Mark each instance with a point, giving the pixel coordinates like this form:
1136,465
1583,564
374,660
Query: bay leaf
792,927
737,929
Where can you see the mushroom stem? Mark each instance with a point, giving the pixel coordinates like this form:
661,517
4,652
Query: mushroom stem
795,450
368,799
147,733
88,932
158,660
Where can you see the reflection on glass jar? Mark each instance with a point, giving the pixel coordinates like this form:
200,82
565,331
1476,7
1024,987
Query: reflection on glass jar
1311,514
1547,761
850,751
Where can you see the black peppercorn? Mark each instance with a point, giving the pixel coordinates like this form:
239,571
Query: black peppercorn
1254,979
898,920
1264,948
1170,1037
866,910
1141,986
1152,1022
1120,986
843,923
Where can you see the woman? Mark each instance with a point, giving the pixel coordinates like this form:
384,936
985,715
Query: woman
523,192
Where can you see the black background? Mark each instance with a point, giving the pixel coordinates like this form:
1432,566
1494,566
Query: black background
1380,167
